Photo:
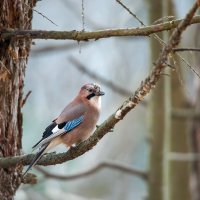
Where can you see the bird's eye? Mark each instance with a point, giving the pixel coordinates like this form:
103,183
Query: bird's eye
90,90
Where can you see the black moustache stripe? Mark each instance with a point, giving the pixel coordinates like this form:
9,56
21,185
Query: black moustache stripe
90,96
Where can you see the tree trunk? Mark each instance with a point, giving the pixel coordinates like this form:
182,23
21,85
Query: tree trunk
196,123
157,115
168,179
179,171
13,59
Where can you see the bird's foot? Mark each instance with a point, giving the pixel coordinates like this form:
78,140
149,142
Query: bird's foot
73,146
97,126
111,130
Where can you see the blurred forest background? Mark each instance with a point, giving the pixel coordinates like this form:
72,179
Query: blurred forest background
159,137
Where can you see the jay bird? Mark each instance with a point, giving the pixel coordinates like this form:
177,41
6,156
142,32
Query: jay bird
75,123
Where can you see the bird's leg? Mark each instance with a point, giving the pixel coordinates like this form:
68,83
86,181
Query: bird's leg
97,126
73,146
78,142
111,129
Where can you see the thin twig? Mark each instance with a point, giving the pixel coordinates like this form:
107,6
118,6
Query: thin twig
130,12
74,9
162,19
95,35
146,86
105,164
155,36
101,79
25,98
41,14
186,49
188,64
83,14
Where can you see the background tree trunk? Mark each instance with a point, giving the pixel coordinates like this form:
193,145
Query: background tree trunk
13,60
179,171
157,115
169,180
178,181
196,122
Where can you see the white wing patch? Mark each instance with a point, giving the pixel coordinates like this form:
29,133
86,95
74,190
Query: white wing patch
70,125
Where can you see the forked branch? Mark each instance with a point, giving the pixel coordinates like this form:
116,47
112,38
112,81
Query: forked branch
146,86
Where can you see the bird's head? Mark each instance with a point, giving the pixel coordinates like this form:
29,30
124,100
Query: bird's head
91,91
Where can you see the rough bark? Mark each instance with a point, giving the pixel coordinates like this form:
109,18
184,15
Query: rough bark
13,60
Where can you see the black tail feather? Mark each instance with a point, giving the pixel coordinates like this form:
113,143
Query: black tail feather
37,143
36,158
47,132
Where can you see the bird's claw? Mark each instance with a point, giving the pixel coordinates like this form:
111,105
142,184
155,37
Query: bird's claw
111,130
97,126
73,146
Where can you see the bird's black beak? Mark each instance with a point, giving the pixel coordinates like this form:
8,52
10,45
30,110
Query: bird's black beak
100,93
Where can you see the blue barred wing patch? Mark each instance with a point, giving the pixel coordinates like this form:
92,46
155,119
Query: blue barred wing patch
58,130
73,123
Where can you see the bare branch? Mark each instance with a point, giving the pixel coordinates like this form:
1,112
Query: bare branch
108,83
105,164
186,49
155,36
163,19
25,98
188,64
146,86
84,36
